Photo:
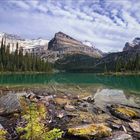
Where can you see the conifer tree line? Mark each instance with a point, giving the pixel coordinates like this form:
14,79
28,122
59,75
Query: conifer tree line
121,65
129,65
17,62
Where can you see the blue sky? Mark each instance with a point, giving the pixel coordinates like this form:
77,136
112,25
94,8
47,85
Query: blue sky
106,23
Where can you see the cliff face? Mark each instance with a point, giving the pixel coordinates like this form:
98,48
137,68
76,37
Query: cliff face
61,41
135,45
66,44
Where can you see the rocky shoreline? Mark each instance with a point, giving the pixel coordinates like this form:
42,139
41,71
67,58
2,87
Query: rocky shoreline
78,116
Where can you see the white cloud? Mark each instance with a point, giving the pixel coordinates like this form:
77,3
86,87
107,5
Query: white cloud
109,25
20,4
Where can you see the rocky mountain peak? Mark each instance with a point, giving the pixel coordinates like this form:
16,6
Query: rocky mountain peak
136,41
134,45
10,36
62,36
64,43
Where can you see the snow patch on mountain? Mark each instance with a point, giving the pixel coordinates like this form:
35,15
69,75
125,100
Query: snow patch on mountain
88,43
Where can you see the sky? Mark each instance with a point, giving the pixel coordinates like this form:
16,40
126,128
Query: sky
109,24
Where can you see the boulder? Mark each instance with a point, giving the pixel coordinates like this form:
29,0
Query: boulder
123,113
90,131
135,126
69,107
109,96
120,135
9,103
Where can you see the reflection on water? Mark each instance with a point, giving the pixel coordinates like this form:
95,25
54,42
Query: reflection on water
114,96
119,82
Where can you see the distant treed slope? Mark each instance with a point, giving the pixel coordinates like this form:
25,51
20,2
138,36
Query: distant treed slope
76,63
113,62
121,61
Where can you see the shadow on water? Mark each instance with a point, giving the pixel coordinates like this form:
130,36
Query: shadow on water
120,82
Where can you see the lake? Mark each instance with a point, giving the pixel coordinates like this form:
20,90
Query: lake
72,99
129,82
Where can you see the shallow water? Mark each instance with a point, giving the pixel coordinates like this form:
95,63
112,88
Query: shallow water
129,83
105,90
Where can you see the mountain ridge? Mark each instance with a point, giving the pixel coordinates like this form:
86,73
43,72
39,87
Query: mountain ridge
65,43
69,54
134,45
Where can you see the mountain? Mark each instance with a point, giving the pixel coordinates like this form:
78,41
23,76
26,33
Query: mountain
64,44
35,42
127,60
28,45
10,36
70,54
134,45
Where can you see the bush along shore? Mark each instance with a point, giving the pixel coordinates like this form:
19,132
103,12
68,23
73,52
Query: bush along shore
38,114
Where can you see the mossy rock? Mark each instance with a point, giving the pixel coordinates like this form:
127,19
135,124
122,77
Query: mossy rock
3,133
124,113
81,117
90,131
128,112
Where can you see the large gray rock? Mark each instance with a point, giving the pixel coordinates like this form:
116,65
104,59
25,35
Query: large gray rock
9,103
121,136
111,96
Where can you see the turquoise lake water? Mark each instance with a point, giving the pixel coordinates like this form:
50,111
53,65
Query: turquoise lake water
128,82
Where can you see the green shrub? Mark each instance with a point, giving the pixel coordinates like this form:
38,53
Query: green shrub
3,134
35,129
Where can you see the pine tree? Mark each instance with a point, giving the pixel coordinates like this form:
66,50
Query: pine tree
105,68
18,62
137,62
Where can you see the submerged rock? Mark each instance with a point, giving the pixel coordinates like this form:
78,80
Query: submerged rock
120,135
111,96
90,131
135,126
